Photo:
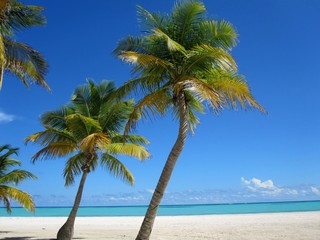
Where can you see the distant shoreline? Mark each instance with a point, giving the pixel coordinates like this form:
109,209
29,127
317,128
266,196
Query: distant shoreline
171,210
171,205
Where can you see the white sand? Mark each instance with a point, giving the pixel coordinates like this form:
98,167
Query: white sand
291,226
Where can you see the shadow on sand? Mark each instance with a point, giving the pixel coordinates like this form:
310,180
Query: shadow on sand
27,238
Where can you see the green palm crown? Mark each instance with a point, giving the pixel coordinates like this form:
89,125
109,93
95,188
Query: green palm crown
18,58
183,53
88,132
10,178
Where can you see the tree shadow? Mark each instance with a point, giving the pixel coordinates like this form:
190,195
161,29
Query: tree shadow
27,238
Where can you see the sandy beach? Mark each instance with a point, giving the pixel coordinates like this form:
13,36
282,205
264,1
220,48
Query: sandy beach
293,226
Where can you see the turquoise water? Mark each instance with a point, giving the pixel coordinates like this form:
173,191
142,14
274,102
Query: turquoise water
173,210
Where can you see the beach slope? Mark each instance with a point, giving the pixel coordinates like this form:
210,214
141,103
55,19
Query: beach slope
291,226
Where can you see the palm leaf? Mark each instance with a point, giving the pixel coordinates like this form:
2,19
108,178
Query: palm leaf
203,56
233,89
151,20
25,62
55,149
81,126
136,139
129,149
186,15
219,34
51,135
16,16
73,167
17,195
132,44
201,90
172,44
5,201
16,176
93,141
143,59
57,118
116,168
9,151
113,115
151,105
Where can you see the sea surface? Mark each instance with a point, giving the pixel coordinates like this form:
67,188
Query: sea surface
172,210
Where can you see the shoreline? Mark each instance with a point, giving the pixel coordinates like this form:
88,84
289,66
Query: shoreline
257,226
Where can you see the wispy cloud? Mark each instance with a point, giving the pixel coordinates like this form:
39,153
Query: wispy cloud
268,190
5,118
265,187
315,190
253,190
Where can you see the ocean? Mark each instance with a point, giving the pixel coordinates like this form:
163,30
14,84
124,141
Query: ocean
169,210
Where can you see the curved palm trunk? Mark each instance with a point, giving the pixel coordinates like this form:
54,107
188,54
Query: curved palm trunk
66,231
147,224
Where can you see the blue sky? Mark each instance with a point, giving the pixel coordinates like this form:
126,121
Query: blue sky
236,156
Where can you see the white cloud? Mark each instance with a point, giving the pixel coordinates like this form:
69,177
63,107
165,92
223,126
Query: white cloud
264,187
270,191
150,191
315,190
5,118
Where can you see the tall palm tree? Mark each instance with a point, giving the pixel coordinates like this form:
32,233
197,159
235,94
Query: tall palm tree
182,63
18,58
88,132
8,178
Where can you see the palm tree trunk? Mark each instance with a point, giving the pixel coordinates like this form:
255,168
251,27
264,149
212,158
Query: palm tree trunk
66,231
147,224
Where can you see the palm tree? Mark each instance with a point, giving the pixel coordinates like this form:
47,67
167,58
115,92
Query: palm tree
87,130
13,177
182,63
18,58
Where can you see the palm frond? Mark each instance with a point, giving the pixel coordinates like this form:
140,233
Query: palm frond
105,89
16,176
136,139
129,149
194,106
73,167
16,16
57,118
203,57
171,44
6,162
151,20
81,126
5,201
9,151
186,15
24,61
21,197
87,98
233,89
219,34
116,168
93,141
132,44
51,135
113,115
55,149
151,105
201,90
143,59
